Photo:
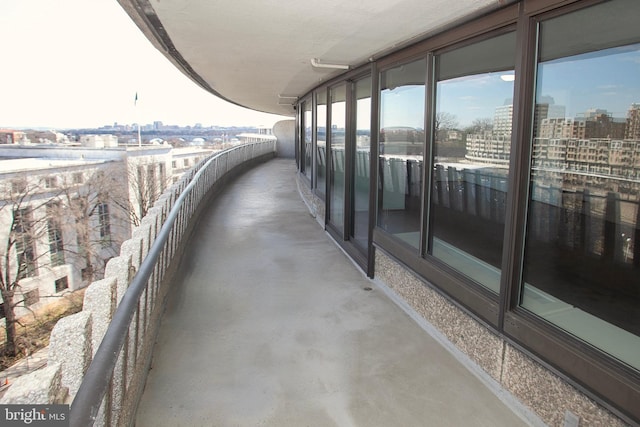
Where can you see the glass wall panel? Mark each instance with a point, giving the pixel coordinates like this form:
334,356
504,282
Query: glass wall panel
472,134
361,169
321,142
401,150
337,143
307,136
582,253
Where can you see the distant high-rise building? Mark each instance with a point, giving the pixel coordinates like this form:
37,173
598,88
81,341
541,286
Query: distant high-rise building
546,108
632,130
502,120
601,124
595,124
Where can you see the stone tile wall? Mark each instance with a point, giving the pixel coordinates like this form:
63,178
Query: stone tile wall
547,396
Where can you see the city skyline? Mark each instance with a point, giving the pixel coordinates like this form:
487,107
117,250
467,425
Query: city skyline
81,65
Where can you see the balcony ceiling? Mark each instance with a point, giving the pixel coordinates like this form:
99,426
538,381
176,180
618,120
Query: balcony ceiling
254,53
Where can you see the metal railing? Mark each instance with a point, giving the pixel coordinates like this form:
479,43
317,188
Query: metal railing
113,382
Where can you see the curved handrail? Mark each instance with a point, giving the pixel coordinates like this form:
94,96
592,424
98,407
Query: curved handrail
95,383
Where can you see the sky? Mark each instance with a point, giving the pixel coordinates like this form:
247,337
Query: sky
606,79
79,64
475,97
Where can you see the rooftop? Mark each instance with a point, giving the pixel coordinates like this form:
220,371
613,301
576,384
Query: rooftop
39,164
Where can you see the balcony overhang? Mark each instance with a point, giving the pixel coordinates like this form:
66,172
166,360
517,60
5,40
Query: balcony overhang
264,54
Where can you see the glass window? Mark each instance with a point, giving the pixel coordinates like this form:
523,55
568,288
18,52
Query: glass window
337,174
401,150
51,182
472,145
62,284
22,230
163,176
307,140
582,252
152,188
31,297
362,161
54,231
321,138
104,221
19,186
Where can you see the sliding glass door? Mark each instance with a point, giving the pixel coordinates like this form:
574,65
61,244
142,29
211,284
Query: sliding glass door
360,149
348,198
337,132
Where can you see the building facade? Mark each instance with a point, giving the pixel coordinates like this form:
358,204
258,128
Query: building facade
521,246
524,250
67,210
58,225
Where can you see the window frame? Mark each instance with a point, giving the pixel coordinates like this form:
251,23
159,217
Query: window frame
61,284
307,100
319,191
386,65
478,301
591,371
488,296
339,230
25,243
104,222
55,234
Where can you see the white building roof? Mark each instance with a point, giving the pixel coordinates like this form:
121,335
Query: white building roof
8,166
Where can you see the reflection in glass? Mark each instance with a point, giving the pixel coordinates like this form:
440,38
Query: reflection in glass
402,139
471,157
582,252
336,177
321,142
307,142
361,172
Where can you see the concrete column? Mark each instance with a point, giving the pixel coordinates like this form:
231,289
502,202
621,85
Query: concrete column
285,131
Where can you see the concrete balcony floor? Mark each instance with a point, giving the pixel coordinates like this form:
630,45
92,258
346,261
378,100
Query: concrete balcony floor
270,325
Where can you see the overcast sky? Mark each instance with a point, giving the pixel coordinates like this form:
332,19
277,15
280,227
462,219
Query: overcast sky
79,63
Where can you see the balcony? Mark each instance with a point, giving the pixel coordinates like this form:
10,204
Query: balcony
263,321
273,324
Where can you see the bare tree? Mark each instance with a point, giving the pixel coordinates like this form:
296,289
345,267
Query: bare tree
444,122
146,182
480,125
22,199
37,214
129,188
84,211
